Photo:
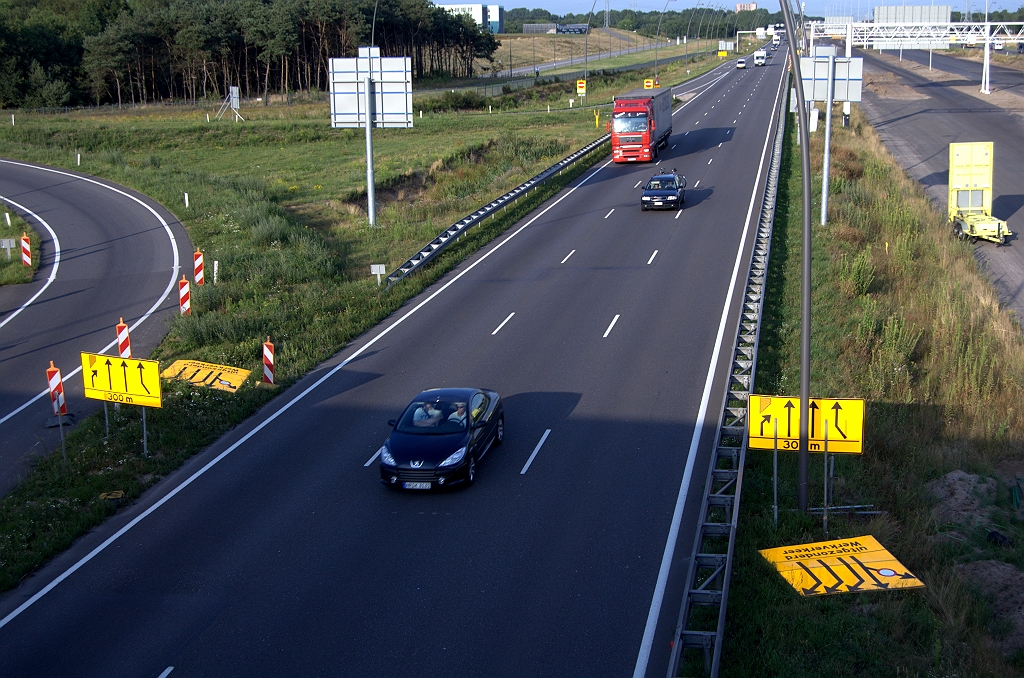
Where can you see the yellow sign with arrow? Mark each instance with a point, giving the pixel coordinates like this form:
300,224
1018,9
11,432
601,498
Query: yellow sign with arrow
844,418
121,380
851,565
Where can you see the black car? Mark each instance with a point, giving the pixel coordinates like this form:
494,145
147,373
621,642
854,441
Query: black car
441,437
663,191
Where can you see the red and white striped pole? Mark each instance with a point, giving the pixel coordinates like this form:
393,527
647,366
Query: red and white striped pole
124,341
60,408
184,297
26,249
268,362
197,260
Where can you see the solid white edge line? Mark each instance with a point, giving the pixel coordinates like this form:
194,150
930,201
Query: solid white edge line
609,213
166,672
655,251
644,655
152,309
56,259
373,458
567,257
535,451
284,408
609,330
503,323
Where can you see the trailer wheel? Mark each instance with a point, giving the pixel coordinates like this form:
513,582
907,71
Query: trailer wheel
958,230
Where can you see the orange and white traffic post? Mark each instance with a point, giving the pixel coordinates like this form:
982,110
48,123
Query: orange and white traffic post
124,340
60,408
197,260
26,249
184,297
268,362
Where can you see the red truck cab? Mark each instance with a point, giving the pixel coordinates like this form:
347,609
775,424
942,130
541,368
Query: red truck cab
641,122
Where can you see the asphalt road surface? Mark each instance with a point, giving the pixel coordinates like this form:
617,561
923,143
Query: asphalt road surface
920,120
107,253
278,552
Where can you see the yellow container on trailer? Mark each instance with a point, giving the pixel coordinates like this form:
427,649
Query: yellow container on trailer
970,193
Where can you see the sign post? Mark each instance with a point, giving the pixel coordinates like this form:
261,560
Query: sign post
60,408
123,381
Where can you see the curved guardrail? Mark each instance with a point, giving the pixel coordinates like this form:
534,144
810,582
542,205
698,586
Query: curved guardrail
453,232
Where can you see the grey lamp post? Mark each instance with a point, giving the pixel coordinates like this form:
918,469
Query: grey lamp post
688,24
586,38
657,41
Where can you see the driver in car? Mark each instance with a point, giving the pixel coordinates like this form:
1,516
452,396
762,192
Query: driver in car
426,415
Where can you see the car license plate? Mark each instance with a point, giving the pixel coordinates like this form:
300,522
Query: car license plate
416,486
658,202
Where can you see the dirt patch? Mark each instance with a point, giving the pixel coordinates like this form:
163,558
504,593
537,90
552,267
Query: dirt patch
885,86
1003,584
964,498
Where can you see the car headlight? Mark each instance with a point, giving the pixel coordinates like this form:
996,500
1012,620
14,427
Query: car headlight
646,197
455,458
385,456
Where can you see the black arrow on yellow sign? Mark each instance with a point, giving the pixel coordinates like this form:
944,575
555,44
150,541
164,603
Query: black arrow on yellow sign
94,375
837,407
867,569
817,582
110,380
860,579
839,580
814,408
141,381
767,418
789,413
124,372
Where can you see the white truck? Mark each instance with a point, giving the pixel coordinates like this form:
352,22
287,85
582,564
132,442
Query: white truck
760,57
776,39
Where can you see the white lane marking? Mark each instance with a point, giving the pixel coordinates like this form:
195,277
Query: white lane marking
685,133
734,122
655,252
567,256
697,123
706,112
609,330
642,181
677,215
535,451
644,656
719,144
671,149
166,672
373,458
657,163
697,184
284,408
709,160
56,262
145,316
728,131
496,329
609,214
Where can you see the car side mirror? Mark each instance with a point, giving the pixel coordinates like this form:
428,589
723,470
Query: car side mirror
392,422
652,126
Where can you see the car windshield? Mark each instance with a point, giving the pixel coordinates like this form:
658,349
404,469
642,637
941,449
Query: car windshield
660,184
630,122
433,417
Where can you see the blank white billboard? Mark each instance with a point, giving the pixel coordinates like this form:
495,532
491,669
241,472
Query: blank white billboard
391,100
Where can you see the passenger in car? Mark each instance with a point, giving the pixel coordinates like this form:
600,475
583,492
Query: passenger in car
459,414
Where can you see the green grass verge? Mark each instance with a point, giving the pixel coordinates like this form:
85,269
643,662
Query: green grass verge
902,317
12,271
294,264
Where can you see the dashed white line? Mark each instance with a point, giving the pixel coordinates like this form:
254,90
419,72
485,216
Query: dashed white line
685,133
673,148
567,256
720,144
677,216
609,330
609,213
655,253
496,329
535,451
734,122
166,672
373,458
697,184
641,181
709,160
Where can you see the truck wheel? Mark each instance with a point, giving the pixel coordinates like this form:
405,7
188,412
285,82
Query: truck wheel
958,231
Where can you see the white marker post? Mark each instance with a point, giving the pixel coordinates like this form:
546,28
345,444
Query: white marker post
377,270
216,265
186,200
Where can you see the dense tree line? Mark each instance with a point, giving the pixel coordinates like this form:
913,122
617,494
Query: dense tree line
713,23
66,52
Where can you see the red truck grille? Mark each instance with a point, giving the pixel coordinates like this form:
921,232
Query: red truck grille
630,140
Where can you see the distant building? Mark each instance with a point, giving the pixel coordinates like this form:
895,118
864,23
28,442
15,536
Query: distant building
746,6
540,28
491,17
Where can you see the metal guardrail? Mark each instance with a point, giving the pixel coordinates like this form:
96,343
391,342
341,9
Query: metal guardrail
707,580
453,232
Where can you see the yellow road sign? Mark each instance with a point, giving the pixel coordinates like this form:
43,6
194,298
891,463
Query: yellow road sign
581,88
845,417
649,83
121,380
850,565
221,377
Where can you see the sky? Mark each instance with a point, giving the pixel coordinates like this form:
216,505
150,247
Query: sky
856,8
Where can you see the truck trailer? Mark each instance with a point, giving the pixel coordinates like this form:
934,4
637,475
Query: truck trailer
641,123
970,193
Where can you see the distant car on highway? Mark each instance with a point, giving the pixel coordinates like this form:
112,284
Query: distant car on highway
741,63
663,191
441,437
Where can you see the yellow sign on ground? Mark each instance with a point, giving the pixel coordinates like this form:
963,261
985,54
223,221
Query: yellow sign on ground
121,380
850,565
649,83
221,377
845,417
581,88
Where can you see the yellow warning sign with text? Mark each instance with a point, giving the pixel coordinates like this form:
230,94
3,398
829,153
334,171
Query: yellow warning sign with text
842,419
581,88
221,377
121,380
850,565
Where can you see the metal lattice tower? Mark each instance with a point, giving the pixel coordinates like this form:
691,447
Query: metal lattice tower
606,12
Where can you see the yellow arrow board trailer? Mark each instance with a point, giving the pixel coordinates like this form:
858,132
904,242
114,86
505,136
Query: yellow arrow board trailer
970,193
844,418
121,380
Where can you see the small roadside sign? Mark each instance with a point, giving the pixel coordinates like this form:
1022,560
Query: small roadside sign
851,565
378,270
845,417
119,380
581,88
8,244
220,377
649,83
